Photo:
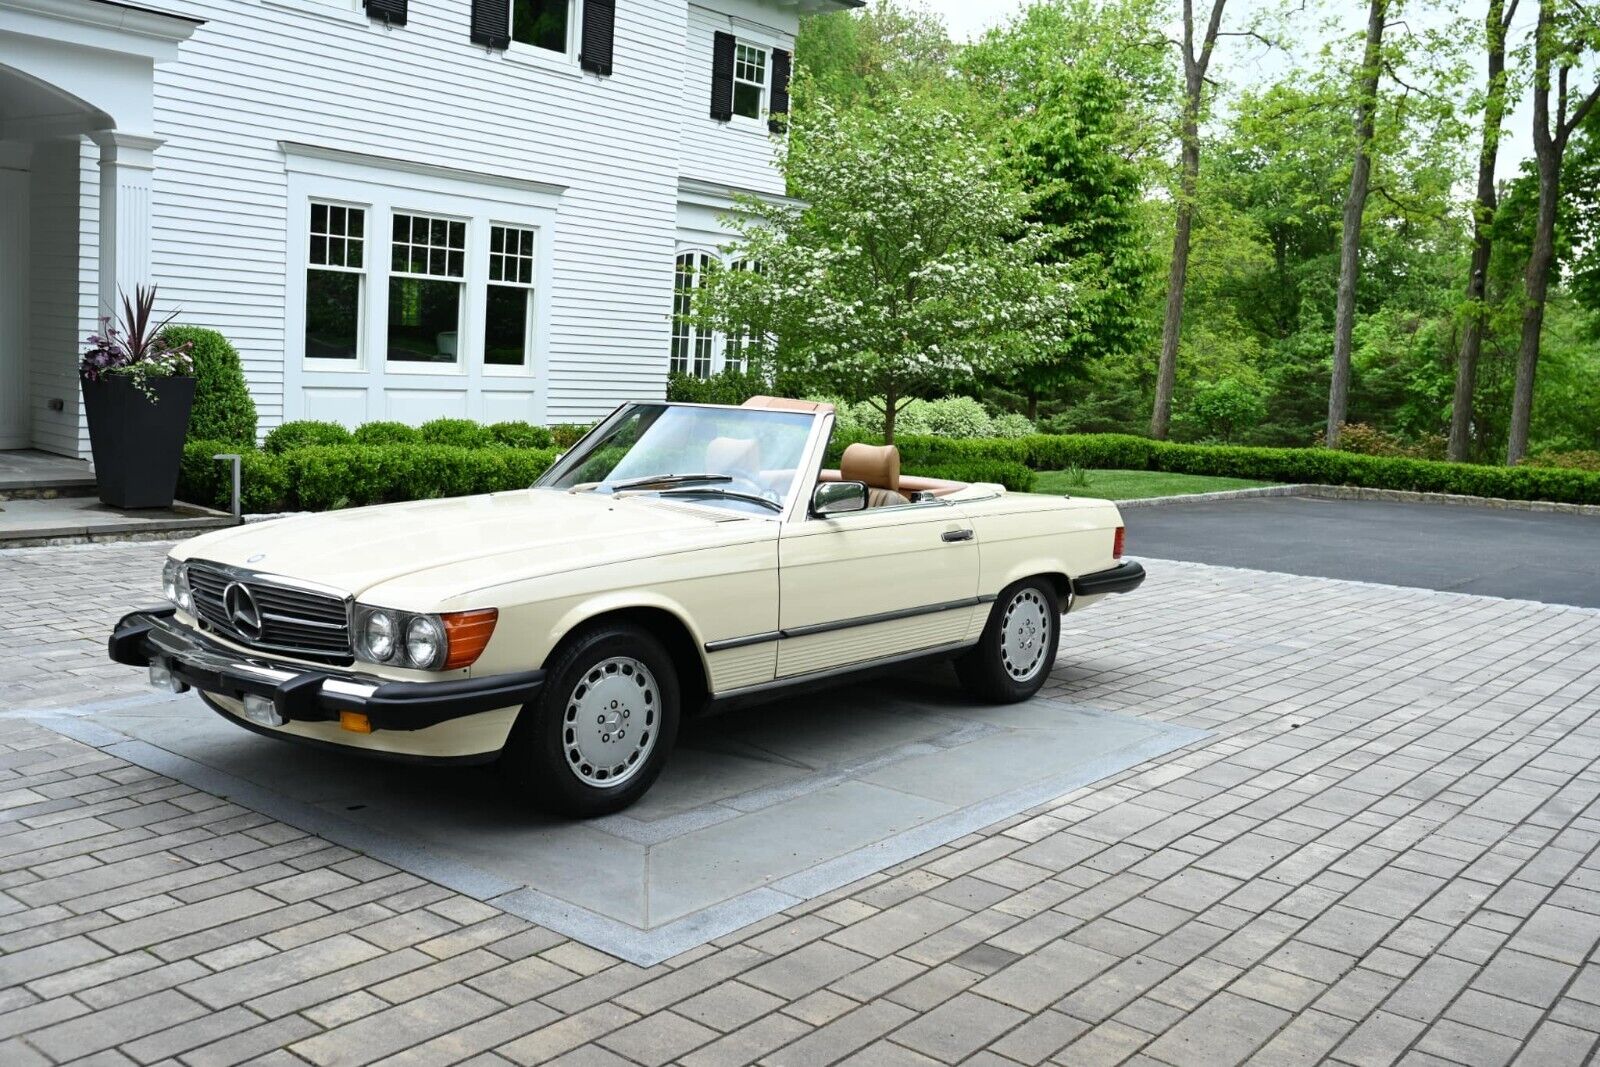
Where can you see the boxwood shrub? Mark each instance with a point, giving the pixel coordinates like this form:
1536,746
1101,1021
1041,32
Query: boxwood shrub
522,435
302,433
463,433
385,433
223,409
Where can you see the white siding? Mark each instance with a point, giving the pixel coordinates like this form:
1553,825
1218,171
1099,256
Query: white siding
62,288
323,74
737,153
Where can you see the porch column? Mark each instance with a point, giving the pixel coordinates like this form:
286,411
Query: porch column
127,167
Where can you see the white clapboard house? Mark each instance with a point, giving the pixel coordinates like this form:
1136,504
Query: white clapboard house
400,209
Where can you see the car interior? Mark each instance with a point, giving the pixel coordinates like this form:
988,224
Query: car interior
878,466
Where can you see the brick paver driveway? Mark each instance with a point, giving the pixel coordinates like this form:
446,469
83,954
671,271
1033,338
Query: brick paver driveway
1387,852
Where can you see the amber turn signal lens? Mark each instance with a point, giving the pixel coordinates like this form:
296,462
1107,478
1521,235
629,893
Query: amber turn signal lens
469,633
355,721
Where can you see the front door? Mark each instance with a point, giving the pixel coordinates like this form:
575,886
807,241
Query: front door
15,270
874,584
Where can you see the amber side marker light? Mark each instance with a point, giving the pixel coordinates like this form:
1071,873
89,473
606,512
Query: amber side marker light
468,633
355,721
1121,539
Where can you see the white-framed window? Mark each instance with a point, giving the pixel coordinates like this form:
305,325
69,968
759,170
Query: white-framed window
427,278
336,282
736,348
696,350
750,69
692,347
509,304
551,25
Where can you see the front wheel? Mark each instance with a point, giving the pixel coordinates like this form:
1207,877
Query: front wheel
1012,659
601,729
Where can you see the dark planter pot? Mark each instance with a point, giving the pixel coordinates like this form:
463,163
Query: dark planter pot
137,445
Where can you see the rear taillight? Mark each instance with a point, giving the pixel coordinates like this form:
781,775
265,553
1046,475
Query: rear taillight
1116,545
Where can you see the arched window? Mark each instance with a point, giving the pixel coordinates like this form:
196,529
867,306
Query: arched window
736,352
692,347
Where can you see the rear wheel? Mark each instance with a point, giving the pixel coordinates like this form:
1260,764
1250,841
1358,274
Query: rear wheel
601,730
1013,657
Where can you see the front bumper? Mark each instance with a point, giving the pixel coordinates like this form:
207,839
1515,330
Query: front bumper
1123,578
309,694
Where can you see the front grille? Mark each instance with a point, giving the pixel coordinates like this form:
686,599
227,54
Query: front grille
300,622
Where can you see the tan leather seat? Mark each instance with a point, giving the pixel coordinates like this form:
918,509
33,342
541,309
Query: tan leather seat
879,467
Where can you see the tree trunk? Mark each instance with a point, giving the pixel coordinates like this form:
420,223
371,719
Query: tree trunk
1460,447
1549,146
1536,285
1355,207
891,405
1177,278
1033,406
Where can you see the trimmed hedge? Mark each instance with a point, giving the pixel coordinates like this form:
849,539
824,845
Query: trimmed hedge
324,477
1014,476
1321,466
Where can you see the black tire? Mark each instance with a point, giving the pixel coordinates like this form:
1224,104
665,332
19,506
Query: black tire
992,672
548,760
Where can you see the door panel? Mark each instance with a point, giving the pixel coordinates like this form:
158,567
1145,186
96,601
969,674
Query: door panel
857,569
14,268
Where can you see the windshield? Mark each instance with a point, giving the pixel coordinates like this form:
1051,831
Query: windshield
737,458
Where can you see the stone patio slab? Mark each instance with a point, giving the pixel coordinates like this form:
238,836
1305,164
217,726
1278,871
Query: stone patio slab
758,811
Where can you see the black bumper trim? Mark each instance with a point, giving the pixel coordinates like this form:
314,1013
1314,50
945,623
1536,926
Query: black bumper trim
1123,578
310,694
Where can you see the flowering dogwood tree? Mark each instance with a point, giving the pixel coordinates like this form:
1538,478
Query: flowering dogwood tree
906,269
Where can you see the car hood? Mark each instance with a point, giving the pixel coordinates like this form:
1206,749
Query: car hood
513,535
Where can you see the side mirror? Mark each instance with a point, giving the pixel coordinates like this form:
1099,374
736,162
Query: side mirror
838,498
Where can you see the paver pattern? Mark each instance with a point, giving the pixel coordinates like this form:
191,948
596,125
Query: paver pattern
1387,853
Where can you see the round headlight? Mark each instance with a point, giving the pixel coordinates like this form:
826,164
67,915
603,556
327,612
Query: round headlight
377,636
424,641
185,598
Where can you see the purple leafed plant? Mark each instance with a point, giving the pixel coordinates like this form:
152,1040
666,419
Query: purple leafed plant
136,346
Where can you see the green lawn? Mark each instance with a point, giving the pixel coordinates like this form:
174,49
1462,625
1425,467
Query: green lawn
1133,485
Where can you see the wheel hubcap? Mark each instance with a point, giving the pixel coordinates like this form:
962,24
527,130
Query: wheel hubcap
1025,635
611,718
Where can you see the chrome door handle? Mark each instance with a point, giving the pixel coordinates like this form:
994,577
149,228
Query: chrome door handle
957,535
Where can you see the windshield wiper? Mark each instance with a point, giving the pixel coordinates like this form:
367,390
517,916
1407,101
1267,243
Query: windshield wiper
731,494
667,479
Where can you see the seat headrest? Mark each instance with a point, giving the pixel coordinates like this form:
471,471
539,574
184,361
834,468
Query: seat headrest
725,455
877,465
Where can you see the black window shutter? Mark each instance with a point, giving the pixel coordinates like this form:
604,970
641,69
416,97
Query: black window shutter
599,33
491,23
722,78
392,12
778,120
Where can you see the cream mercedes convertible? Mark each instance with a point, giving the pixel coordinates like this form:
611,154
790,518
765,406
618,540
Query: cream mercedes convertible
679,558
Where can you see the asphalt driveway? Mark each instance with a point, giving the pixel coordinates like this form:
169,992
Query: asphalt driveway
1523,555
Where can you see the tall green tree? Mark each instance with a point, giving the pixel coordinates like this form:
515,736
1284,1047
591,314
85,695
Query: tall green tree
909,271
1077,89
1496,27
1565,32
1195,51
849,59
1355,208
